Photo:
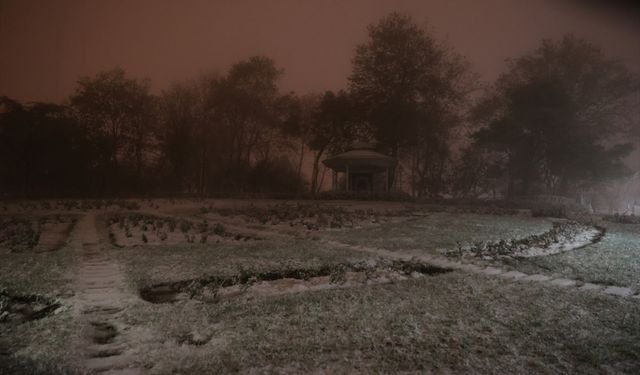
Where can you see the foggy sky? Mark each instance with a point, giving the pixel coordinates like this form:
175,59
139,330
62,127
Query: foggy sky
45,46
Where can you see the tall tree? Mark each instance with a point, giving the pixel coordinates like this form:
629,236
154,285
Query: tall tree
43,150
299,124
248,112
411,90
186,134
117,111
555,115
335,126
224,133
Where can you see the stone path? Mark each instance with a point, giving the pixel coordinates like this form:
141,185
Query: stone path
514,276
101,296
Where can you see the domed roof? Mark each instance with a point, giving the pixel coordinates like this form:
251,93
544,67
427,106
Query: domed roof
361,155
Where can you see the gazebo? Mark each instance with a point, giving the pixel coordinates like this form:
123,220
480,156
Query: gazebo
363,169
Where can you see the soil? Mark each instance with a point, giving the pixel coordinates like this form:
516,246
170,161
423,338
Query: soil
564,236
17,309
215,289
39,233
139,229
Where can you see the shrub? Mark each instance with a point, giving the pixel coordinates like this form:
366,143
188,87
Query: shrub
219,229
622,219
550,211
185,226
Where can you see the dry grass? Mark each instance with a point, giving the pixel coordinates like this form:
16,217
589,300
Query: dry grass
39,346
615,260
436,323
453,322
442,230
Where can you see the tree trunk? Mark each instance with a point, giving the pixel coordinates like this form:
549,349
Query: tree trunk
301,160
203,155
324,170
392,171
314,173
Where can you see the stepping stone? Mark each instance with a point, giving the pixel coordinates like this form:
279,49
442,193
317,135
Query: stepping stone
98,283
104,309
471,268
123,371
426,258
100,352
443,263
100,287
104,299
618,291
536,277
492,271
102,277
563,282
514,275
88,273
112,346
591,286
456,265
107,363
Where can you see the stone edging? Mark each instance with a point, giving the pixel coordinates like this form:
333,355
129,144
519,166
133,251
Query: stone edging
511,275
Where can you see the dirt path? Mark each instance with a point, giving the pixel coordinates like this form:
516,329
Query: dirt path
514,276
101,297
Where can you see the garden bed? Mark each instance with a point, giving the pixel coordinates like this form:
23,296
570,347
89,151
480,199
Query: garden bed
40,234
563,236
140,229
19,308
251,284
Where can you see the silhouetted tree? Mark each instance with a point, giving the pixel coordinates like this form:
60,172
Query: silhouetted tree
334,127
275,175
118,114
43,150
248,114
555,114
411,90
300,123
186,135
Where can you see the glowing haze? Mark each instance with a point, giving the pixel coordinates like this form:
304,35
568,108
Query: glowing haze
47,45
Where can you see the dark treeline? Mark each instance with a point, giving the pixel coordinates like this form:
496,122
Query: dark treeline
559,120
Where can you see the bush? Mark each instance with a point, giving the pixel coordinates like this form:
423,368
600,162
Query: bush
622,219
219,229
366,195
550,211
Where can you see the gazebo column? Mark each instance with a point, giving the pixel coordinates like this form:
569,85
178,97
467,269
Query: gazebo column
386,179
348,177
334,180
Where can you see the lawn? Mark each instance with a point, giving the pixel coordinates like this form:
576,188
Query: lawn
442,322
148,265
442,230
615,260
38,346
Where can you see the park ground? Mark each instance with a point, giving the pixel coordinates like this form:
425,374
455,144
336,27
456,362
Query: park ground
187,286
